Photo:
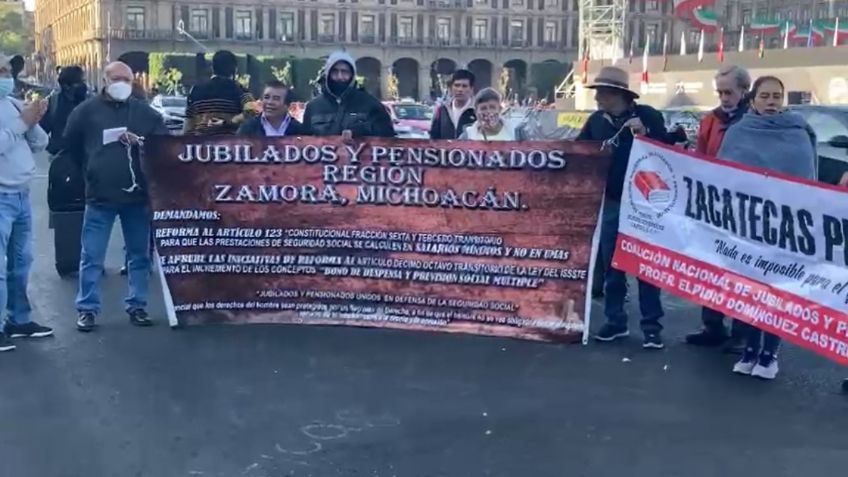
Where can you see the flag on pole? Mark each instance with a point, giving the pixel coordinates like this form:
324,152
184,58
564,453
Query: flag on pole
585,64
721,46
762,52
786,36
742,39
836,32
645,55
701,47
108,37
630,59
665,50
683,43
810,34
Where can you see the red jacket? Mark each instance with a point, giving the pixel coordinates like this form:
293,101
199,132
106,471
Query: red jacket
712,129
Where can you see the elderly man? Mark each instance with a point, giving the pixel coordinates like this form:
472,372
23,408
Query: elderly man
105,132
732,85
20,137
275,120
619,116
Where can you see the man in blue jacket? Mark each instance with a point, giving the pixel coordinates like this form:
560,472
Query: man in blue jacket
619,117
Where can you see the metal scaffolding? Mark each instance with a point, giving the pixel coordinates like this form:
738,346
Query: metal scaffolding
602,25
601,37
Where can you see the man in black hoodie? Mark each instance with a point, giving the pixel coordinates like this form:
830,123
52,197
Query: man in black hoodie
104,134
619,118
451,119
344,110
72,92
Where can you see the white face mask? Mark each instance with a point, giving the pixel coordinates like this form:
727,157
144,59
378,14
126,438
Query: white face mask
119,91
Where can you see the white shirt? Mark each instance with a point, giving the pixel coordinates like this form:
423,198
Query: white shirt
473,133
456,113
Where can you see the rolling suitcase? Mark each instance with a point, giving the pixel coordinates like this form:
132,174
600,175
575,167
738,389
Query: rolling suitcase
66,199
67,240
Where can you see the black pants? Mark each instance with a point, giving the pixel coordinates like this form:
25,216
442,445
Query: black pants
714,321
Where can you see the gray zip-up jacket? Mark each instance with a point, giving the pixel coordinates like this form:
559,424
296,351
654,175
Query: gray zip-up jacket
110,175
18,143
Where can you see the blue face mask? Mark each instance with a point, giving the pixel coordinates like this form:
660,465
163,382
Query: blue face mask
7,85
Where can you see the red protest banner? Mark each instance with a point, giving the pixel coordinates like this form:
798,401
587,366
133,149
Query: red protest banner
485,238
764,248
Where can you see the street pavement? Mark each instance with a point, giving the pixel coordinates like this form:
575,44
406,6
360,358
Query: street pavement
272,401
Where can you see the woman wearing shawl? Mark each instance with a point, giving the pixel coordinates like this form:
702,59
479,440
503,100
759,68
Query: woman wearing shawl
770,138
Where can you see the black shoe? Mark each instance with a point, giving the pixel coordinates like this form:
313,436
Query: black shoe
6,343
86,323
28,330
138,317
707,338
653,341
123,271
610,332
735,345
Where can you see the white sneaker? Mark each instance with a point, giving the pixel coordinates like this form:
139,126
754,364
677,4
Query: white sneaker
766,367
746,363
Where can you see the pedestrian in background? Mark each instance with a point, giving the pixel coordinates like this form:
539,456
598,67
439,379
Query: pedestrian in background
72,92
20,138
343,109
451,118
106,132
217,106
490,124
617,120
275,120
771,138
732,85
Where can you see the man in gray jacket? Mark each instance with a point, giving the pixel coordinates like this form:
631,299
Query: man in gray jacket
105,134
20,137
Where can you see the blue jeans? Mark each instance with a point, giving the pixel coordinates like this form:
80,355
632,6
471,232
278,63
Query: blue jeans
16,248
96,230
615,281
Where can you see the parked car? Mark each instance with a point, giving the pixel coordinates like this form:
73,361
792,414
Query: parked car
830,123
408,115
173,111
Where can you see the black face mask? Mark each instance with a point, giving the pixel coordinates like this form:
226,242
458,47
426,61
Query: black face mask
337,87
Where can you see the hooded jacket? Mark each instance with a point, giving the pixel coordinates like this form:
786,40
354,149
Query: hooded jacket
109,173
330,114
782,142
443,127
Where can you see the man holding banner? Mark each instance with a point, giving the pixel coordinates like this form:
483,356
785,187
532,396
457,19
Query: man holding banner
616,122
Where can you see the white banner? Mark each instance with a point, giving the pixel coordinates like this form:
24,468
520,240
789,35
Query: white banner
762,247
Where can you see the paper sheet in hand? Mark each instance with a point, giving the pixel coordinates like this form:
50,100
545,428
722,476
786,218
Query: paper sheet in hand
113,135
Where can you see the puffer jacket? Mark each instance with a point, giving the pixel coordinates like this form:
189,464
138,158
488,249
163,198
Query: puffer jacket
354,109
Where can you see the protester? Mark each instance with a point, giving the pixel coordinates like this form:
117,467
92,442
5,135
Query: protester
618,119
105,132
770,138
344,110
732,85
452,117
20,137
490,125
72,92
275,120
217,106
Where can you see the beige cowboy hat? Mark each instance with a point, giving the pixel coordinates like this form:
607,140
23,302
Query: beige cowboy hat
614,78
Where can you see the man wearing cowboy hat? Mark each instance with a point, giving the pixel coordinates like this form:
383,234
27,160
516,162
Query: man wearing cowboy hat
619,116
